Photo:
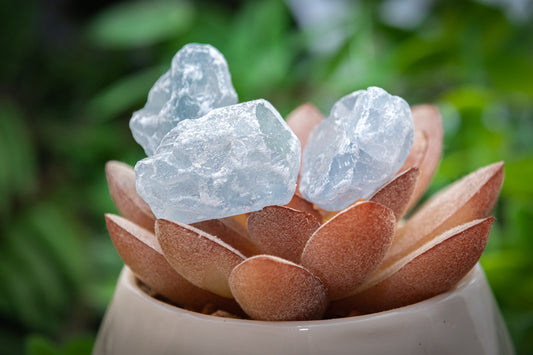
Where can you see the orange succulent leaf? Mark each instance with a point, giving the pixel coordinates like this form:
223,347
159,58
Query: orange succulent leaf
302,120
232,233
469,198
344,251
121,182
435,269
274,289
141,252
327,215
417,153
427,120
397,193
281,231
299,203
201,258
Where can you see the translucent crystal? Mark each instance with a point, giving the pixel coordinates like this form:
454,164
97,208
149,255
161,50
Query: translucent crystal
235,159
358,148
197,82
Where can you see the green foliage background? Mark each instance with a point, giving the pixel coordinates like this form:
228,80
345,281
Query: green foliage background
73,72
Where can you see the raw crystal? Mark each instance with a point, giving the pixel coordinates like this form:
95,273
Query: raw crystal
197,82
358,148
235,159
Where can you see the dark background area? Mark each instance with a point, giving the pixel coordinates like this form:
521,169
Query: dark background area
74,71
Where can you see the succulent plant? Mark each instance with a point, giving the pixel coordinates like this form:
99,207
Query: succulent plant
297,261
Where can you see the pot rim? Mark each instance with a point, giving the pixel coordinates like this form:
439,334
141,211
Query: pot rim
474,276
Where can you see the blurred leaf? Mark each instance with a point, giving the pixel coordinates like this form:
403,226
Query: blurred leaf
212,27
510,72
58,232
123,94
81,345
106,264
20,292
18,23
10,342
38,345
509,261
49,291
469,97
106,140
140,23
416,50
520,326
517,213
17,161
41,268
258,48
517,180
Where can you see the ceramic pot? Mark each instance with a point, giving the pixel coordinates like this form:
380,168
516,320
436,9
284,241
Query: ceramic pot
465,320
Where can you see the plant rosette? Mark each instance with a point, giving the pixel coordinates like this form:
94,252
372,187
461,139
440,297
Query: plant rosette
246,233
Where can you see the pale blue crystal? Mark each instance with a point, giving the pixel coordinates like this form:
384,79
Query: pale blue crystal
197,82
358,148
233,160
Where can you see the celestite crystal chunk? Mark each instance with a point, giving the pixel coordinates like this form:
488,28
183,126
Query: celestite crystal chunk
357,149
197,82
233,160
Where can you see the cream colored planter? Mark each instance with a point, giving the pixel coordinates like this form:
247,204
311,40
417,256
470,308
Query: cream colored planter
465,320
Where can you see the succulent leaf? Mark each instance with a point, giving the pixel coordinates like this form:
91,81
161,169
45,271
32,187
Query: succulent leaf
427,119
397,193
469,198
121,182
201,258
417,153
231,233
303,119
434,269
346,249
271,288
300,204
282,231
140,250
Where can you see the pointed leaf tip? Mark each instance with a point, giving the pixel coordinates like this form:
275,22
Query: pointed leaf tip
432,270
398,192
417,153
469,198
427,119
121,182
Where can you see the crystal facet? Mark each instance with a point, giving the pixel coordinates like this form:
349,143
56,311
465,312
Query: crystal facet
197,82
233,160
358,148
